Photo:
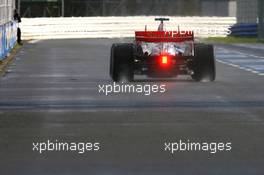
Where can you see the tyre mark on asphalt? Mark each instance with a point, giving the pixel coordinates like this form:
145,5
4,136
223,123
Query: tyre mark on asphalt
135,104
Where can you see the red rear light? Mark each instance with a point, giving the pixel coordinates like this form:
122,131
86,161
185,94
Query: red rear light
164,60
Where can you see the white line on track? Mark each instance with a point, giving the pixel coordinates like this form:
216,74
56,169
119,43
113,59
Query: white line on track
242,53
241,68
227,53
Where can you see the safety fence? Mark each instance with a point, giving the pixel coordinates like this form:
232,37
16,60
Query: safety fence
8,38
118,27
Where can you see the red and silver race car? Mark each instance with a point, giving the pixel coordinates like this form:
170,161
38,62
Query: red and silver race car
161,53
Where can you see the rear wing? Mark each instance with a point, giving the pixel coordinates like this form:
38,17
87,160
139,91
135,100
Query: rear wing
164,36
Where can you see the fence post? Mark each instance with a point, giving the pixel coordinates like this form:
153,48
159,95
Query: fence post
19,6
261,20
62,8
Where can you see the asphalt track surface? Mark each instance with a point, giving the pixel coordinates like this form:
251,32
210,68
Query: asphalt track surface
51,92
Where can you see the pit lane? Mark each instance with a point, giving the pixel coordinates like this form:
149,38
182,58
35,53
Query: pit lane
51,92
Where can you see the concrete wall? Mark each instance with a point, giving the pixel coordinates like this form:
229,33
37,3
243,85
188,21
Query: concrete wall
119,27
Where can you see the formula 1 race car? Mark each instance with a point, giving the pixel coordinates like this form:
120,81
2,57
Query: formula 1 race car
162,54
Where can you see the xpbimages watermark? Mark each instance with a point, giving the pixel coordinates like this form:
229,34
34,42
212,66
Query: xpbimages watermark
189,146
145,89
58,146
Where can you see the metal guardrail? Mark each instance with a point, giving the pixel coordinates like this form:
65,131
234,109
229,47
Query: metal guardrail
8,38
244,30
118,27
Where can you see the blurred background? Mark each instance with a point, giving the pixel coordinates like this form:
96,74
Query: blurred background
246,11
243,17
40,8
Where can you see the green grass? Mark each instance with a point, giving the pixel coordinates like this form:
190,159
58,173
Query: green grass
233,40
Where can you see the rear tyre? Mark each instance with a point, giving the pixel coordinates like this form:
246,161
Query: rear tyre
204,63
121,62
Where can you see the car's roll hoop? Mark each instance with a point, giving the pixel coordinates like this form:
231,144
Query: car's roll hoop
162,19
161,26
